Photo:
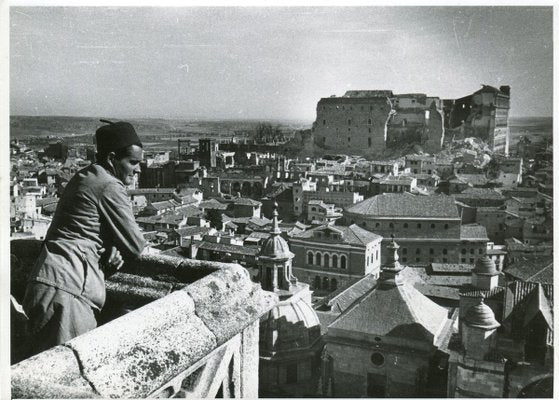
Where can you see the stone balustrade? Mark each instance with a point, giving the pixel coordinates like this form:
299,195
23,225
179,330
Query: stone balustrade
183,328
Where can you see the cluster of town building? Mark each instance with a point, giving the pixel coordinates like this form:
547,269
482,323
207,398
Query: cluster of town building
429,275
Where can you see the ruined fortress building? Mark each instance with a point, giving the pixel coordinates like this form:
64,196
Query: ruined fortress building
367,122
483,114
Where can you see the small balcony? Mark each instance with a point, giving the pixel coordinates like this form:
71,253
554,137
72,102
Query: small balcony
171,327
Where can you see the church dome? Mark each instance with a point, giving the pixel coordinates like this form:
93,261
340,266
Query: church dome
485,266
276,247
291,325
481,316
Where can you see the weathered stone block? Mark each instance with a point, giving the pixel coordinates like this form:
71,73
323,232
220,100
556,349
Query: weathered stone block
51,374
136,354
227,301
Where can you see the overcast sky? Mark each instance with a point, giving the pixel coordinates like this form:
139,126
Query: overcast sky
269,63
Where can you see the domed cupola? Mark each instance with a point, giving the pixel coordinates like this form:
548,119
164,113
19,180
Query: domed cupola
275,260
479,330
485,275
276,247
485,266
289,333
481,316
294,316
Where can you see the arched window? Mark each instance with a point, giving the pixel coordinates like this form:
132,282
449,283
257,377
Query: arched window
404,251
343,262
406,225
318,259
445,251
418,226
417,251
391,225
310,258
335,261
317,282
377,225
463,251
325,283
446,226
326,260
432,226
376,257
334,284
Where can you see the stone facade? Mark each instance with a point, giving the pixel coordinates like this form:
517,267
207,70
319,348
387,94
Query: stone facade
424,237
386,343
327,263
474,377
396,374
418,119
366,122
352,124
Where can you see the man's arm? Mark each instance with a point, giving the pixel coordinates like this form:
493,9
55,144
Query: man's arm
116,214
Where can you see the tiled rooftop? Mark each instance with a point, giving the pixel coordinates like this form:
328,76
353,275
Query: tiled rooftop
352,234
406,205
473,232
479,193
532,269
396,309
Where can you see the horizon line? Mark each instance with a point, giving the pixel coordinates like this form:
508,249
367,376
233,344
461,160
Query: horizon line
213,118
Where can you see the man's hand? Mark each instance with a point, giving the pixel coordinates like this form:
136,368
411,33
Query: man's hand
113,261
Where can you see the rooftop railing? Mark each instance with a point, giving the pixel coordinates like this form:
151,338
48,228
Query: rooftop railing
176,328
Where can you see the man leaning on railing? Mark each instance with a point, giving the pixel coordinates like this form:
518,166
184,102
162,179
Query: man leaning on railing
93,229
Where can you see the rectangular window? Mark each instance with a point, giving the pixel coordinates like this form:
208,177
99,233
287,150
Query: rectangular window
370,142
349,122
323,122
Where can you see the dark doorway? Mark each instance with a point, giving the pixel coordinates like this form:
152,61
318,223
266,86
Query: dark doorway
376,385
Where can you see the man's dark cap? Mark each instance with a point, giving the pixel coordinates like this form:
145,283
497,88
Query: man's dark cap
115,136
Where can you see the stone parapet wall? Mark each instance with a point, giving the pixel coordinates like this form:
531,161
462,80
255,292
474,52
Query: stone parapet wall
198,317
